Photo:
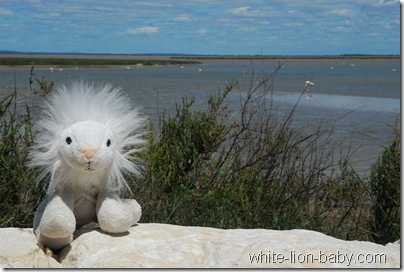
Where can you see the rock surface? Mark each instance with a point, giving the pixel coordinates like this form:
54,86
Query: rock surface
171,246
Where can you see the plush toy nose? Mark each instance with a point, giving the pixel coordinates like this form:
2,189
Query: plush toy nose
88,151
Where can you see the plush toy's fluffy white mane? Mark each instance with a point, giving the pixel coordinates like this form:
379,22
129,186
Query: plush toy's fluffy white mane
78,102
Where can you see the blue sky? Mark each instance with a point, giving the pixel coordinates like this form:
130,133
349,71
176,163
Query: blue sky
234,27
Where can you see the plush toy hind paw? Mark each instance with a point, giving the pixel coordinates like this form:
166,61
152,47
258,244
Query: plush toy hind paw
116,215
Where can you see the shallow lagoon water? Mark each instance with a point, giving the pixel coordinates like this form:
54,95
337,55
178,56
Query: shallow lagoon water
358,97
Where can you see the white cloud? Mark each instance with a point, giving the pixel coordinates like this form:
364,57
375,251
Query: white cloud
342,12
143,30
246,29
299,24
240,10
202,31
4,11
54,14
339,29
184,18
387,2
257,11
35,1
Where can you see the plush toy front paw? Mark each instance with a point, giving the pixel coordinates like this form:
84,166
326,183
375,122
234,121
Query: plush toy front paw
54,217
57,226
54,223
135,209
54,243
114,215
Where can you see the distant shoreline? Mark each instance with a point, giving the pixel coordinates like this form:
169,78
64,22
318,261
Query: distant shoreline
105,61
23,60
291,57
180,55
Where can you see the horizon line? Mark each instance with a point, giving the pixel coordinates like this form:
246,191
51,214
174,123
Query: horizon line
188,54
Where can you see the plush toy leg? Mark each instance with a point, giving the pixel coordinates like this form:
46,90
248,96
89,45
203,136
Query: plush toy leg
54,221
116,215
46,241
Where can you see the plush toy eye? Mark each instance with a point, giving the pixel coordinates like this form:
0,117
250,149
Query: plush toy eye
68,140
108,142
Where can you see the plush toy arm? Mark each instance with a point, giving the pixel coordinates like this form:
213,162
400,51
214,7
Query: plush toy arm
116,215
54,220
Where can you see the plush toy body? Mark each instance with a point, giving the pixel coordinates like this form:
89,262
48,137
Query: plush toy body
86,140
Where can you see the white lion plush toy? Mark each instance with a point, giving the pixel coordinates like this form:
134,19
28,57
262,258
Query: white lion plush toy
87,137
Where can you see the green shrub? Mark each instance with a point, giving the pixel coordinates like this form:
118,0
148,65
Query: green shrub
253,171
19,194
385,187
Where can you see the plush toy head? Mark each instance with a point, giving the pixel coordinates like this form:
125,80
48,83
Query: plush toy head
87,146
88,130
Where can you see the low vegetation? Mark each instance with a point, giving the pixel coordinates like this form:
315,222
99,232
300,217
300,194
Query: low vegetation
217,168
385,189
19,195
80,62
283,57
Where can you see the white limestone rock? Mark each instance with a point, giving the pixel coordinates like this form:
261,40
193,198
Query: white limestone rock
171,246
19,249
